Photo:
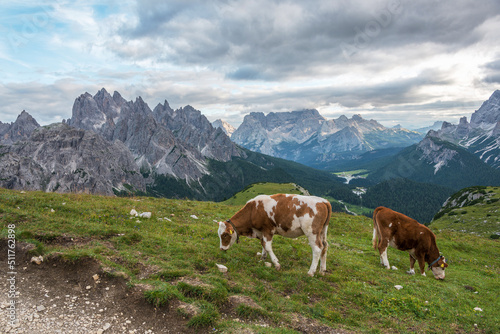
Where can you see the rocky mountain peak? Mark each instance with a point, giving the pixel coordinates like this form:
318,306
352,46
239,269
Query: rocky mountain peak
357,118
225,126
21,129
435,152
489,112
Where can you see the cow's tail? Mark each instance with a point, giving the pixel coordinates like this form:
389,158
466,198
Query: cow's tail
376,228
327,220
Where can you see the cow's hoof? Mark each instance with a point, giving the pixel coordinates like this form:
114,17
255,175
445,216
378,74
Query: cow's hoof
411,272
278,267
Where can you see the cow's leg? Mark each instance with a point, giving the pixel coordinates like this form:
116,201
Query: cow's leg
264,254
324,251
317,248
421,264
382,249
412,266
374,237
267,244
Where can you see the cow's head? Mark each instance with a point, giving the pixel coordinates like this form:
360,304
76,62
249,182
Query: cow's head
227,235
438,267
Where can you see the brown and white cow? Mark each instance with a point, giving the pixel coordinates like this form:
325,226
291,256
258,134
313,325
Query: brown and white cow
288,215
406,234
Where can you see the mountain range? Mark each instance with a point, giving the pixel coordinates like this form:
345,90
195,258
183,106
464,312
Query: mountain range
307,137
114,146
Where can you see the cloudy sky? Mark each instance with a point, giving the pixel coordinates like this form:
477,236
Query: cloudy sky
396,61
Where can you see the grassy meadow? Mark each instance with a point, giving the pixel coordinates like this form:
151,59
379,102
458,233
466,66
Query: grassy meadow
356,294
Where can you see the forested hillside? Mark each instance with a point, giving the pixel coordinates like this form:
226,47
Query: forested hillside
419,201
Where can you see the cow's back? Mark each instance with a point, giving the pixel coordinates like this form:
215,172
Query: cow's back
289,212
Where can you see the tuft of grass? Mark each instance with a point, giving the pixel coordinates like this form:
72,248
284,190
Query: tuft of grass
251,313
208,316
162,295
217,295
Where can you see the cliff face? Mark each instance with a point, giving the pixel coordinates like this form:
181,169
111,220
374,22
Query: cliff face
60,158
163,141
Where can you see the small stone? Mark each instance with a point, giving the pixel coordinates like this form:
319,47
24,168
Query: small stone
394,268
95,277
222,268
40,308
106,326
194,217
88,287
268,264
37,259
145,215
100,331
478,309
399,287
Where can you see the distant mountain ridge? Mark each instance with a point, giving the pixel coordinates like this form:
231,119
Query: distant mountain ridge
307,137
437,161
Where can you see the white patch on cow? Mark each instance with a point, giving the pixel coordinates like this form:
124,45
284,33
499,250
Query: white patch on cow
310,201
269,205
438,272
411,271
421,232
390,224
221,230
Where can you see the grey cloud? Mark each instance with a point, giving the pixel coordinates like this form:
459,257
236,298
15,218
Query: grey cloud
245,39
493,72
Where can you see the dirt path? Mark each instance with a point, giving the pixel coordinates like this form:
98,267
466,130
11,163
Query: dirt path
62,297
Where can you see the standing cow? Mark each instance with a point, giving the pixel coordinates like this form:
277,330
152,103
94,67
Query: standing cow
288,215
406,234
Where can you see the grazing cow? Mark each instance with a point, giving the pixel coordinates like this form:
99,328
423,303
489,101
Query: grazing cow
406,234
288,215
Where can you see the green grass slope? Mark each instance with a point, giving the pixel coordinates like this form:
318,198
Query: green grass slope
356,294
472,210
263,188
